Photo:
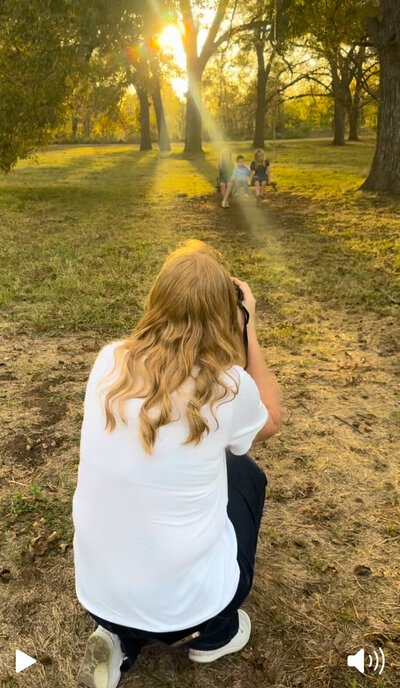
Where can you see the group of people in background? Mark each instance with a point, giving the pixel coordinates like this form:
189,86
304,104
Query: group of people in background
235,179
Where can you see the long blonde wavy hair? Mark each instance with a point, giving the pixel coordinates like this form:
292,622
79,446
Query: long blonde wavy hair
190,324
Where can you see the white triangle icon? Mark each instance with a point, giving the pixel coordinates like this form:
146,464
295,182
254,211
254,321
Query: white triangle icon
22,661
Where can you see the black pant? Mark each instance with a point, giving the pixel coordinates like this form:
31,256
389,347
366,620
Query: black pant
246,495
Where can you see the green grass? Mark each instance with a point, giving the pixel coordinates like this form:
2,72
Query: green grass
81,233
35,512
79,241
19,504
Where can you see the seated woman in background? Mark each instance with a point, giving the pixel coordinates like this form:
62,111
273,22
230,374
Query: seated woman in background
168,503
225,176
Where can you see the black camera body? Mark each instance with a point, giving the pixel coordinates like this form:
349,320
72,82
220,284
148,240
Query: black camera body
239,294
246,316
240,298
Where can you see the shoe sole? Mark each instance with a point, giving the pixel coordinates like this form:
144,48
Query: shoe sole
213,655
94,672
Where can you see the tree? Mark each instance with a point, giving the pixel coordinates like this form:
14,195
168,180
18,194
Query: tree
385,33
196,62
336,29
362,92
195,67
154,17
270,37
137,73
354,99
44,49
263,33
38,49
342,70
98,94
143,72
163,137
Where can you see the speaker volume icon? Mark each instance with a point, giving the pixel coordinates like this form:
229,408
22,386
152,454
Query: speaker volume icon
358,660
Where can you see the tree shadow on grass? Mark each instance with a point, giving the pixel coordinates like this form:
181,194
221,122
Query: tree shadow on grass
200,162
204,167
80,186
324,267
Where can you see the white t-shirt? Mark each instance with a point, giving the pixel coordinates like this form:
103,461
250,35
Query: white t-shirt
154,548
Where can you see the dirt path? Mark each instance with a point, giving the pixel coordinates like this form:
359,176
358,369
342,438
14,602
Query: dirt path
327,576
327,565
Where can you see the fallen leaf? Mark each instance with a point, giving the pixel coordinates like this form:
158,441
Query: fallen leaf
361,570
45,659
5,575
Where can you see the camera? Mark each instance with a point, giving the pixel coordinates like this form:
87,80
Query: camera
240,298
240,295
246,317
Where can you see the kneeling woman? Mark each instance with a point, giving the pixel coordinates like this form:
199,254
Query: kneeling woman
168,504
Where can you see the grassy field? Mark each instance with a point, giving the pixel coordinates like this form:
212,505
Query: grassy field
83,232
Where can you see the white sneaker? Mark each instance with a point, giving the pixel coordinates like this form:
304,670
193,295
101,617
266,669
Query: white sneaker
237,643
102,662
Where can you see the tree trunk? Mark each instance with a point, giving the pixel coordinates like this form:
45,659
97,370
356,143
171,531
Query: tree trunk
354,116
258,139
196,63
339,123
74,127
87,125
145,136
355,100
193,115
163,138
385,170
340,84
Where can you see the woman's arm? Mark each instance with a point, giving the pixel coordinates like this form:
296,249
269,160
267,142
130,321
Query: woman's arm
267,385
263,377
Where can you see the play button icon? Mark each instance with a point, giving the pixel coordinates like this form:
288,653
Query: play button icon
23,661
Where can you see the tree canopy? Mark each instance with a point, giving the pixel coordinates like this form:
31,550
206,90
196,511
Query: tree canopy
64,64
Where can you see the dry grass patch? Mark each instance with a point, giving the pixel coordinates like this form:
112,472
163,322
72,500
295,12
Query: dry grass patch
328,564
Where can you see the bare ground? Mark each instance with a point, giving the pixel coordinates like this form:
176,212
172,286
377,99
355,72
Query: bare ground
327,577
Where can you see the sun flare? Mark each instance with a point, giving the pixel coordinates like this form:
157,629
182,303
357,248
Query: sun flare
170,41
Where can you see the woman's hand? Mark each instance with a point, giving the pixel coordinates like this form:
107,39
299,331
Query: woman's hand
249,301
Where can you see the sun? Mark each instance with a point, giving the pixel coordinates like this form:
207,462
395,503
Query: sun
170,41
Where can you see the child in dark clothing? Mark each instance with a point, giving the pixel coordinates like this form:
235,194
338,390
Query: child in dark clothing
225,176
260,174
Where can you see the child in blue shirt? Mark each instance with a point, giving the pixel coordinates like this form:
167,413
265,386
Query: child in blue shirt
241,174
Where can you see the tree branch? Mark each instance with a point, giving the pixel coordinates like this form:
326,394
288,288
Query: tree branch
307,95
321,83
205,55
207,49
283,88
189,38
